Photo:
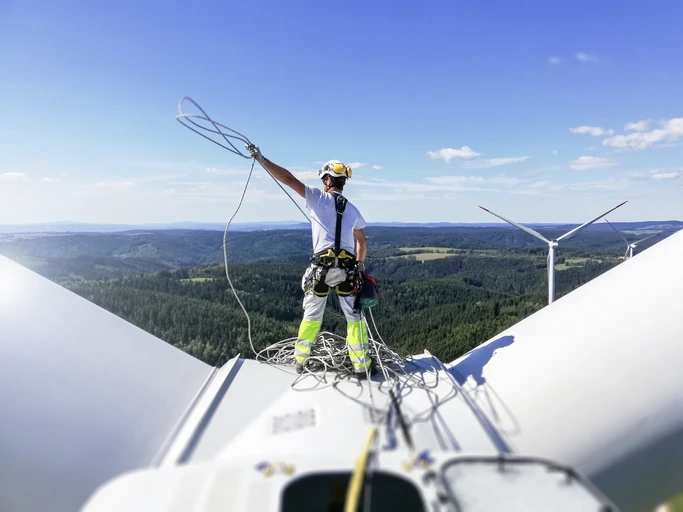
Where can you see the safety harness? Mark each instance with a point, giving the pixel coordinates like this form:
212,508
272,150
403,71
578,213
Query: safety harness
339,205
336,257
363,286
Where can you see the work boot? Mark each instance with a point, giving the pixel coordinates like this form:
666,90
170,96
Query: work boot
299,367
364,375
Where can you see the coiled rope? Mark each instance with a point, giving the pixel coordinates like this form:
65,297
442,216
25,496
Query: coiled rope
193,122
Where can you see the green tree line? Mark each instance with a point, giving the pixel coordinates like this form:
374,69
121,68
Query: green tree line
447,306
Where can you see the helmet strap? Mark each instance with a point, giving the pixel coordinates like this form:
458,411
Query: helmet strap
332,183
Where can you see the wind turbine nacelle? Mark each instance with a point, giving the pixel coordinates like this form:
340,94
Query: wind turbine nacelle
593,380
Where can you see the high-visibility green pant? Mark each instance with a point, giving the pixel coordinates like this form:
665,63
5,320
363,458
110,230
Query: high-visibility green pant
356,330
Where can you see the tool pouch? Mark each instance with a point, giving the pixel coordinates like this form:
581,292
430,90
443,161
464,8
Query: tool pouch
369,292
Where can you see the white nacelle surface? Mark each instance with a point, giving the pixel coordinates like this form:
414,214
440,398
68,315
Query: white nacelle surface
84,395
594,380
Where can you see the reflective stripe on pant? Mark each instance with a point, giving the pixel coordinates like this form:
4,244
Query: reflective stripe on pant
314,308
356,335
357,342
307,333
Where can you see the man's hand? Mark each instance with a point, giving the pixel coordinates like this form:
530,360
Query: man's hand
279,173
255,152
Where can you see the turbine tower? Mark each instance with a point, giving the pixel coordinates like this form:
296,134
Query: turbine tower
552,244
629,245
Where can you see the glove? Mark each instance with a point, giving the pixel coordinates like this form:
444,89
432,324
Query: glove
255,152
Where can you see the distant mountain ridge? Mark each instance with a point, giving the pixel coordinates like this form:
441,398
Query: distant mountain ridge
93,255
83,227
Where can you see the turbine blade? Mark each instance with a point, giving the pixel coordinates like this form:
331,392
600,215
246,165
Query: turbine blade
571,233
646,238
523,228
626,253
617,231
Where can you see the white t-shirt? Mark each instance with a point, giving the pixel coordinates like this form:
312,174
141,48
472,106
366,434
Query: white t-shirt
324,221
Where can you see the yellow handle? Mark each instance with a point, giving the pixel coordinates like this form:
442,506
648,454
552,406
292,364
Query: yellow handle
353,492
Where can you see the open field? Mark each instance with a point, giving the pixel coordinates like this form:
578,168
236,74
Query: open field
437,253
429,249
428,253
579,262
426,256
640,233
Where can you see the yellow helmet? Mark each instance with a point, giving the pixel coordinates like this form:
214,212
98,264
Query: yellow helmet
336,169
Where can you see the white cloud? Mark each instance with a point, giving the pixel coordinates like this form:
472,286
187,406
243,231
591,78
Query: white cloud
471,160
462,181
670,131
610,184
50,180
170,191
485,163
171,165
377,167
157,177
500,184
554,60
135,182
584,57
595,131
114,184
219,171
356,165
202,184
554,152
439,184
13,176
448,154
640,126
306,175
65,174
589,163
665,175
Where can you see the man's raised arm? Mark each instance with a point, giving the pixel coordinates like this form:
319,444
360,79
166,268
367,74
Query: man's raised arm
279,173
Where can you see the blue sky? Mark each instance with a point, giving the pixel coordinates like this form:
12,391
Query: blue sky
541,111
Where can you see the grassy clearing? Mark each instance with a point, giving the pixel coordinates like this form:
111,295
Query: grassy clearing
637,233
428,253
429,249
437,253
579,261
575,262
429,256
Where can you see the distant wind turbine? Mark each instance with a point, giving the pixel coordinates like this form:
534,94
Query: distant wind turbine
552,244
629,245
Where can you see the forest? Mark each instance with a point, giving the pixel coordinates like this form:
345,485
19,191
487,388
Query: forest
443,289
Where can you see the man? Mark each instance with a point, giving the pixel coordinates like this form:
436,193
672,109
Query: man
339,250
